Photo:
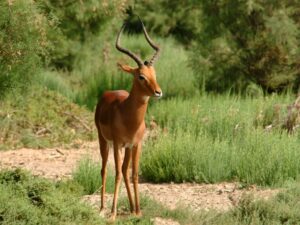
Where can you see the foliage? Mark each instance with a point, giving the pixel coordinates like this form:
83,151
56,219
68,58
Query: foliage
232,45
248,41
164,18
42,119
87,174
212,139
49,33
77,22
25,199
22,43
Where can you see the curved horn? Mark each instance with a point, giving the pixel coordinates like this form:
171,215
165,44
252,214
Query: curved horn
151,43
127,52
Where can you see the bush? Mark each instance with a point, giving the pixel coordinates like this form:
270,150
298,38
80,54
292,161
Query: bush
25,199
22,43
42,119
48,34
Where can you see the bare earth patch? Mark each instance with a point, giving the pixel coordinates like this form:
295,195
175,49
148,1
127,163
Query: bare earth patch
59,163
54,163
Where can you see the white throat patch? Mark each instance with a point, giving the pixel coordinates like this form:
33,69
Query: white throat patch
128,145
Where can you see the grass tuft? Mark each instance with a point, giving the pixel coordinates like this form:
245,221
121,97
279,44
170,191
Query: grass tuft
87,174
221,138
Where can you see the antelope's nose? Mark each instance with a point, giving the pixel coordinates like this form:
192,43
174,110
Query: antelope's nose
158,93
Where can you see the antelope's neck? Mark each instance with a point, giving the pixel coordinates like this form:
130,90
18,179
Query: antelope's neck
135,107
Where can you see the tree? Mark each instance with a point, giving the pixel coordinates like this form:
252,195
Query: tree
248,41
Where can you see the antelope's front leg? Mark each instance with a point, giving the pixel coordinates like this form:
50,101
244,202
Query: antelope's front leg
136,151
118,165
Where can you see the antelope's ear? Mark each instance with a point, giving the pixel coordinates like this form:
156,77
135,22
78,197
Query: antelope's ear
127,69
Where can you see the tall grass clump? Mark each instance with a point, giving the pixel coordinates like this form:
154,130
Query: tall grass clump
25,199
256,157
216,138
87,174
57,82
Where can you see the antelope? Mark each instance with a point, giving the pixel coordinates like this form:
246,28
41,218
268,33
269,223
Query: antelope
119,119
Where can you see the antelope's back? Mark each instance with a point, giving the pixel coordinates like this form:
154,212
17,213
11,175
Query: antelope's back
107,104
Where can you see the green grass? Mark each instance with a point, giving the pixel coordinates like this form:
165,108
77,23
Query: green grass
221,138
87,174
57,82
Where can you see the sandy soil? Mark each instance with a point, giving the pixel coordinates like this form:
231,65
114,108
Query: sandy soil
59,163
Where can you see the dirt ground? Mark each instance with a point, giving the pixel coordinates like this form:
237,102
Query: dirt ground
59,163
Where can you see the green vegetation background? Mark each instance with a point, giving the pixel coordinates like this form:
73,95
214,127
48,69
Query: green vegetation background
229,70
64,45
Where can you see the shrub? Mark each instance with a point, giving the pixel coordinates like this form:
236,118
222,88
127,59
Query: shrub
22,43
25,199
42,119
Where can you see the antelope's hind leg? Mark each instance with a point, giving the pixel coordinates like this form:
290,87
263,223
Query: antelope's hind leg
125,171
104,150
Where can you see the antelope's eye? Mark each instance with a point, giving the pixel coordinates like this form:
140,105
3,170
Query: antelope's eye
141,77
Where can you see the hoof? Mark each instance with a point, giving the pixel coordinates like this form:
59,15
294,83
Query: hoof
111,219
138,214
102,212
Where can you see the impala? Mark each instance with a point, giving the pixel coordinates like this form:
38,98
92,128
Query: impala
119,119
